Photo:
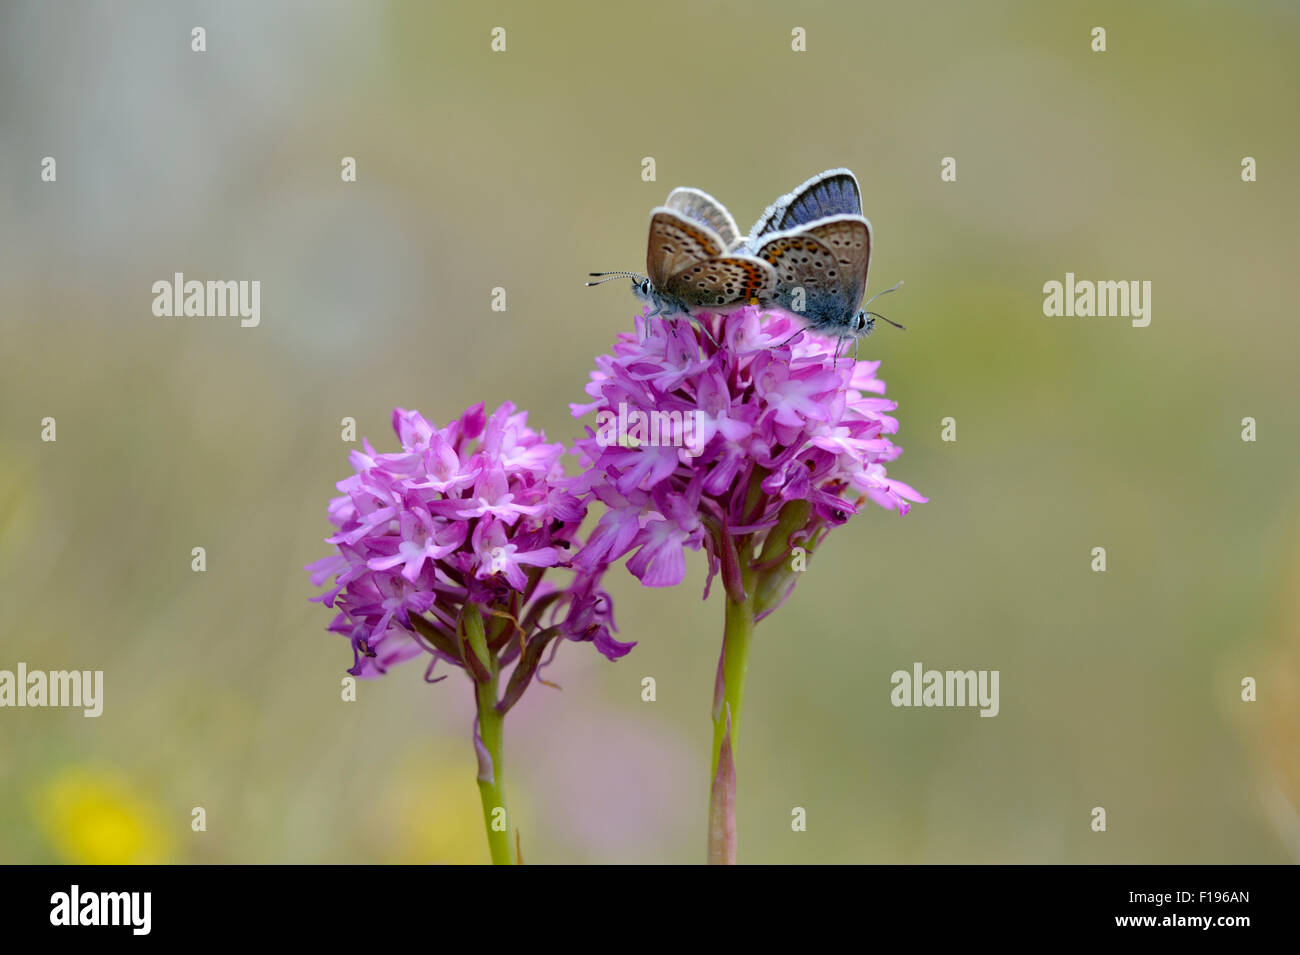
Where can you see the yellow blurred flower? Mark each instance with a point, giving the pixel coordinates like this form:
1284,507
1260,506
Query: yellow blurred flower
94,817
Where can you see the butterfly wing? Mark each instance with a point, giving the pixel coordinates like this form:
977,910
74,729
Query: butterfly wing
830,193
723,280
699,206
826,261
677,243
849,239
807,278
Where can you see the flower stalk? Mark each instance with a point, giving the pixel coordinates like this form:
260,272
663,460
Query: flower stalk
764,584
729,694
490,744
489,738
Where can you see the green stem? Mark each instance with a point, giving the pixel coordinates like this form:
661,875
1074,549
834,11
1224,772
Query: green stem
735,664
491,782
736,641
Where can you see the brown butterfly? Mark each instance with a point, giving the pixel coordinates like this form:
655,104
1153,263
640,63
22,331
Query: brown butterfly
688,266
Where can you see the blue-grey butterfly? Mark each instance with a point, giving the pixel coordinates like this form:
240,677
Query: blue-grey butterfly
831,193
688,265
820,245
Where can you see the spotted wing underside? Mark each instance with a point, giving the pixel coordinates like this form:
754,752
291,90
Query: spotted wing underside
686,260
677,243
821,270
722,281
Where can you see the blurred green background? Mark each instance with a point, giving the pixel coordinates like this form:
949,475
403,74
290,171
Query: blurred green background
523,170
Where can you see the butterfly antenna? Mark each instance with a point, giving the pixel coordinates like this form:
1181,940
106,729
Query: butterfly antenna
892,288
610,276
890,320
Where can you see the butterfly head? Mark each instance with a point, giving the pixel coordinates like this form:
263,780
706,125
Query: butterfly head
661,304
862,324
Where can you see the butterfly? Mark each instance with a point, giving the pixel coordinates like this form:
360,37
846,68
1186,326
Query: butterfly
819,243
830,193
689,262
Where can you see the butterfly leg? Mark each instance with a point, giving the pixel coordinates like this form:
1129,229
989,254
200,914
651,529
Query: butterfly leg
707,334
645,324
791,338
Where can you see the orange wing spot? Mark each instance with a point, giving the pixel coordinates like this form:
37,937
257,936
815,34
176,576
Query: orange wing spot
705,242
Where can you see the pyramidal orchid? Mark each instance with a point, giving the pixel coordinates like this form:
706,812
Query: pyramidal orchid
750,439
446,551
